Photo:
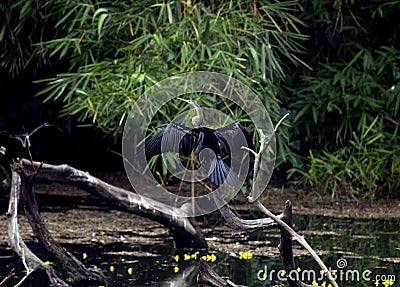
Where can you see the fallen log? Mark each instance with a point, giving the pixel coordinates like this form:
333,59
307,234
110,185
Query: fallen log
184,230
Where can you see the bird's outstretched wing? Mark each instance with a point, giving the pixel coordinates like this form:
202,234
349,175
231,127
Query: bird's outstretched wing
176,135
219,174
230,132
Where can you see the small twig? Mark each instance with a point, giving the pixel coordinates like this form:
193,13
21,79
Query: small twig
24,138
11,274
28,272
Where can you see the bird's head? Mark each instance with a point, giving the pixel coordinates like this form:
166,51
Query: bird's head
197,121
190,102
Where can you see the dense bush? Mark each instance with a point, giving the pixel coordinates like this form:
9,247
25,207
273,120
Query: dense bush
333,64
347,109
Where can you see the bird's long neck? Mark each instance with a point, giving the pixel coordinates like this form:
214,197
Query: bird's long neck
197,121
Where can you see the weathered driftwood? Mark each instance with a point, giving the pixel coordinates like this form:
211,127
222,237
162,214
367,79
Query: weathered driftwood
208,276
79,274
184,230
29,259
239,225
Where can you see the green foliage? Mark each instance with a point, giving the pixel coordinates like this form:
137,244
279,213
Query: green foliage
16,40
344,131
347,109
117,50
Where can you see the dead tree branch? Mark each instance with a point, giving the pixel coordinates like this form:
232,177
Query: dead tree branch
239,225
8,277
184,230
208,276
78,273
283,221
29,259
287,260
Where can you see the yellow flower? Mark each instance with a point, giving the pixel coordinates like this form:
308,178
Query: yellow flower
298,269
245,255
194,256
323,284
186,257
176,257
322,272
48,263
84,255
130,270
176,269
314,283
112,268
209,257
376,283
282,273
213,257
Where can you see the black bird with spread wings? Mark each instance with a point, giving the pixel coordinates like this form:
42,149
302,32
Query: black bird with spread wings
197,139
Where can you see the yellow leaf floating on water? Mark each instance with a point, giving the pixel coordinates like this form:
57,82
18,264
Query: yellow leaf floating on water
245,255
112,268
176,269
388,282
84,255
209,257
130,270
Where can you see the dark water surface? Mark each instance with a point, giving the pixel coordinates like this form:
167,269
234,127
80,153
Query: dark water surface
363,253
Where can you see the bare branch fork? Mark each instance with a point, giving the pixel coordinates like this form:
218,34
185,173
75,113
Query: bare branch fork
278,219
283,221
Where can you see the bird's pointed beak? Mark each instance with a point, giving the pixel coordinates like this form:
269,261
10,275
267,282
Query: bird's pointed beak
187,101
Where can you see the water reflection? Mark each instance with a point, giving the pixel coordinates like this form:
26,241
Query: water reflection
365,245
